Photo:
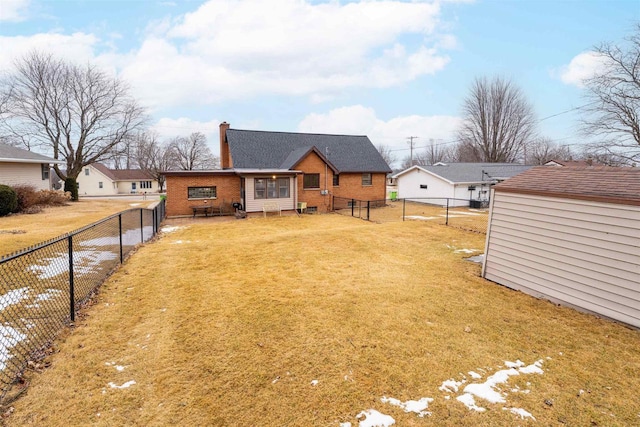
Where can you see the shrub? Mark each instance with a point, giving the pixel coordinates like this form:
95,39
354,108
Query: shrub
27,197
8,200
53,198
71,185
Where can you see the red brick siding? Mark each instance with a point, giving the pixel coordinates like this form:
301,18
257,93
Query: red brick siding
227,190
225,155
351,187
314,164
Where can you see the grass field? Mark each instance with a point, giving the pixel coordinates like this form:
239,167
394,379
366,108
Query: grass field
23,230
319,319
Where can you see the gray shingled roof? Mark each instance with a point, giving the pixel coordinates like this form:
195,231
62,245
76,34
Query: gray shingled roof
9,153
277,150
475,172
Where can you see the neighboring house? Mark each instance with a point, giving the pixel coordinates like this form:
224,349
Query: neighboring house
459,182
570,235
23,167
99,180
286,168
572,163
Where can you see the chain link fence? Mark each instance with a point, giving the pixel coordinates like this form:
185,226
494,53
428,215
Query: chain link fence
43,286
459,213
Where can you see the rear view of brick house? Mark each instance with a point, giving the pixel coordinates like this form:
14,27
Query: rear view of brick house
259,167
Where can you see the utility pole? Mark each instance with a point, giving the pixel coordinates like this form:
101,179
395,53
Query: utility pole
411,138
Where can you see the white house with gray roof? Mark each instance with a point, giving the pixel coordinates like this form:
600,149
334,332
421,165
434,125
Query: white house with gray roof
23,167
458,182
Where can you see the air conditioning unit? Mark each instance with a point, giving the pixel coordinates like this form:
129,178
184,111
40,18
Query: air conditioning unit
324,192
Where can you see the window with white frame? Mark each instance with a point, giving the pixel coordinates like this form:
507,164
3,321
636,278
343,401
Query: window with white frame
271,188
145,184
201,192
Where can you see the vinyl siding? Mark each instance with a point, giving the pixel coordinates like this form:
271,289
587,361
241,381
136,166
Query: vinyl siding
580,253
254,205
23,174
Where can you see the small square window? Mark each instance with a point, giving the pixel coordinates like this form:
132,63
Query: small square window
311,180
366,179
99,185
86,171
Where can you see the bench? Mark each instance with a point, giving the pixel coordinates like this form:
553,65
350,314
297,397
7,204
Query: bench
204,208
271,207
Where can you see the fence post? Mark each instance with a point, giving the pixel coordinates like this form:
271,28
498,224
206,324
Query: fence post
404,203
120,234
368,209
72,300
141,226
447,220
154,220
353,202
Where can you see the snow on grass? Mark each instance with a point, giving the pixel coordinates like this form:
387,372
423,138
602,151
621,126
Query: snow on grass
478,258
83,262
450,385
9,338
519,411
171,228
14,296
421,218
314,382
469,402
129,238
417,406
373,418
474,375
125,385
466,251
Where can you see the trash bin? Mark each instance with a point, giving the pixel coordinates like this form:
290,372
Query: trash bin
394,195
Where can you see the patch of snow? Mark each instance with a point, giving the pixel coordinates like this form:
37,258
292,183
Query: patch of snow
466,251
180,242
170,228
518,363
347,424
84,262
450,385
478,259
9,338
373,418
48,294
125,385
14,296
474,375
129,238
417,406
521,412
469,402
533,368
314,382
421,218
119,368
135,204
486,390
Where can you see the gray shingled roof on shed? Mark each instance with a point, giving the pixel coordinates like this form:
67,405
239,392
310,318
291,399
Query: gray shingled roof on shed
476,172
10,153
277,150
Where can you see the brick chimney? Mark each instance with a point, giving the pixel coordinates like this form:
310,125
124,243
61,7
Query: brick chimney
225,156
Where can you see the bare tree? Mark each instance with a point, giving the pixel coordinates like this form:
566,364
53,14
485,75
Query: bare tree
543,150
498,121
613,113
386,153
78,113
193,152
435,152
154,157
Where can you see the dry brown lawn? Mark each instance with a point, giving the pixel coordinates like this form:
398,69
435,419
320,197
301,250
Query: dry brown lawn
19,231
309,321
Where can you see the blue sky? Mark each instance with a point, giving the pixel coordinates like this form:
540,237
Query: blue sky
385,69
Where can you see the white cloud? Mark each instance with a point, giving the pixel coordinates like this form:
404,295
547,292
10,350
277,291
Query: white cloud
78,47
240,49
360,120
581,67
235,49
168,128
13,10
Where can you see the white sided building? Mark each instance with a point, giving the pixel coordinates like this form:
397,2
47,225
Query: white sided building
98,180
23,167
459,182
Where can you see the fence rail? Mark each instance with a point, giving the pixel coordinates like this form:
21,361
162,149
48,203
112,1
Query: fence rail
460,213
43,286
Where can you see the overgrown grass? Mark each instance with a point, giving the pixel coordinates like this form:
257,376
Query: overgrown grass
230,323
22,230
